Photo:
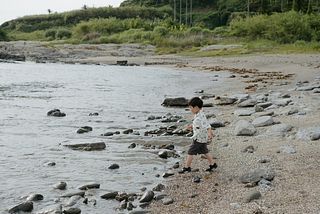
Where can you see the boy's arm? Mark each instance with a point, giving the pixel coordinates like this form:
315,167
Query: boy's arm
210,134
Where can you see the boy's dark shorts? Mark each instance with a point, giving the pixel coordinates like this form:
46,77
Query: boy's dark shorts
198,148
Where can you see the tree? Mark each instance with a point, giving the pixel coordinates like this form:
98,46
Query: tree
49,11
84,7
3,36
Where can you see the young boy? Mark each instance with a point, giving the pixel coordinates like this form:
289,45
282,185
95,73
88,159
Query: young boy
202,134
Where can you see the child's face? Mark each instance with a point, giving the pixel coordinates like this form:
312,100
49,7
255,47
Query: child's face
194,110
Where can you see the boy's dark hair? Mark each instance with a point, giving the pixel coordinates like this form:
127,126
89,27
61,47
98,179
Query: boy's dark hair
195,101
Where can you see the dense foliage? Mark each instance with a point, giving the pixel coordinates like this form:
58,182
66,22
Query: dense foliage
3,35
175,24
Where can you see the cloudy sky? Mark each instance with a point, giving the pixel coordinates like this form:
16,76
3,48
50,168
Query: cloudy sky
12,9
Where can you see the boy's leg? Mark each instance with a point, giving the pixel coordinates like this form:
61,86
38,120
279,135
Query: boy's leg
189,160
209,158
187,168
212,165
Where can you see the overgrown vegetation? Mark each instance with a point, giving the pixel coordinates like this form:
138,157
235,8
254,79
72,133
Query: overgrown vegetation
180,25
3,36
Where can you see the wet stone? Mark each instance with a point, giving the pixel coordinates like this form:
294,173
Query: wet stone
35,197
87,146
114,166
132,146
84,129
90,186
23,207
147,197
167,201
158,188
80,193
55,113
72,210
254,195
61,185
110,195
128,131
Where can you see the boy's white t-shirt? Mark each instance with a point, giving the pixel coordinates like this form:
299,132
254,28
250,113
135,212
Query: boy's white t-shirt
200,127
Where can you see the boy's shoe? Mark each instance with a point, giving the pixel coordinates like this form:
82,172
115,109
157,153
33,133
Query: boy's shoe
185,169
212,167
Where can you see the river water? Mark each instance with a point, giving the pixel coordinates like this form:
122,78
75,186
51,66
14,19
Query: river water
123,96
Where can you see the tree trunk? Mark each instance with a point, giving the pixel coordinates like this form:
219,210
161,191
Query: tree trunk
186,12
180,11
174,10
190,12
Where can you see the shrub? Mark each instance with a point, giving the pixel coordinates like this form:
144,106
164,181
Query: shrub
161,31
63,34
3,36
281,27
50,34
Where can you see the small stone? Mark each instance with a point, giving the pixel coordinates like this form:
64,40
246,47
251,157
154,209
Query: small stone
167,174
114,166
90,186
147,197
23,207
128,131
61,185
196,179
314,136
84,129
254,195
167,201
94,114
72,210
107,134
132,146
110,195
35,197
158,188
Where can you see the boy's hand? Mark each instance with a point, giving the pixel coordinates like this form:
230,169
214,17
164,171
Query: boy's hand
189,127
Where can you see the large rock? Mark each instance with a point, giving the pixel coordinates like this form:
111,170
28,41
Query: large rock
55,209
84,129
225,100
315,136
253,195
56,113
72,210
247,103
13,57
255,175
35,197
263,121
279,130
244,128
90,186
180,102
244,112
147,197
87,146
110,195
61,185
69,195
23,207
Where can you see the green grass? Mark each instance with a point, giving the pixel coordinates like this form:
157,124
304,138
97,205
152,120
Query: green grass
255,47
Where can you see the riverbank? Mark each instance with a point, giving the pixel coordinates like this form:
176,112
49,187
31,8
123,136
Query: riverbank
276,168
282,146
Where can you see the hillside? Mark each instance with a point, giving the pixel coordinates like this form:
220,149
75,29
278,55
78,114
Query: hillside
176,25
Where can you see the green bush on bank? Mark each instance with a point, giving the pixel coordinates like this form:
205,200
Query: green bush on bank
281,27
3,36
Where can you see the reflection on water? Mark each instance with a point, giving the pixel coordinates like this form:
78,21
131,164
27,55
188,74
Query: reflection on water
123,96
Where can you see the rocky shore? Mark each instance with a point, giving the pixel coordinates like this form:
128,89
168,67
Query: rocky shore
265,118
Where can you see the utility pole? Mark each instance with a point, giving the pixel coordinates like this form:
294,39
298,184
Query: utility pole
180,11
186,12
190,12
174,10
